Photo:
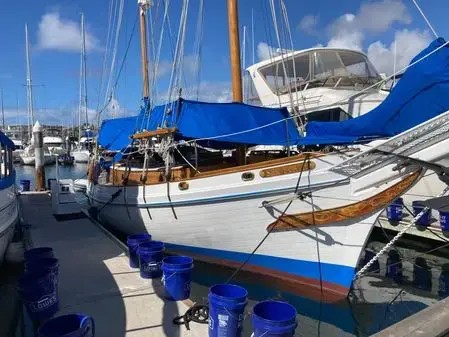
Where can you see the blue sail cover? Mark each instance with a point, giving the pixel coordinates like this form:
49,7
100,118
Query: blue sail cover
421,94
115,134
6,141
199,120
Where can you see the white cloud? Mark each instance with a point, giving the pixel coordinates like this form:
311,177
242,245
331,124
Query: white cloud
408,44
61,34
308,24
190,64
264,51
348,31
219,92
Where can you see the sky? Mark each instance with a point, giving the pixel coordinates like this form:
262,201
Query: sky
372,26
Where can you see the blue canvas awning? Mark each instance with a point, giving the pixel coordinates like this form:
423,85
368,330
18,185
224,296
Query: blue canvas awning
6,141
226,123
421,94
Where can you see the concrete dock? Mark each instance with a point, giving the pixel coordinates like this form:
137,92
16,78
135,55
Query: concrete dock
430,322
95,277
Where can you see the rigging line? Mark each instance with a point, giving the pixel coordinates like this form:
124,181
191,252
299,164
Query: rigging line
272,228
425,18
120,70
284,68
114,52
252,35
158,53
185,159
177,63
270,41
198,46
287,23
103,68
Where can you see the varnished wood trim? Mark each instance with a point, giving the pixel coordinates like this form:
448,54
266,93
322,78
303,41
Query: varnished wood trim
338,214
186,173
158,132
287,169
255,166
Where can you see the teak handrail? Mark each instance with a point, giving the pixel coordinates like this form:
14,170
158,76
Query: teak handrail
158,132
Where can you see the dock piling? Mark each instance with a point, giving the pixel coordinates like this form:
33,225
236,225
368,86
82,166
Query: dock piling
39,156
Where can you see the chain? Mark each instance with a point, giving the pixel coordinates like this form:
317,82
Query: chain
396,238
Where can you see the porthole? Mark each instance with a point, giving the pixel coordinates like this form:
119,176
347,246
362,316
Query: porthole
183,186
247,176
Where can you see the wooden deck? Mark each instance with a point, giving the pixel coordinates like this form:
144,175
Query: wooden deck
95,277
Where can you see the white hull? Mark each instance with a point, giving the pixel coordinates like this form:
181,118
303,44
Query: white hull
8,217
220,219
30,160
81,156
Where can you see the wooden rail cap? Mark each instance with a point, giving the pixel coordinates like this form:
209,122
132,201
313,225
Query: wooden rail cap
158,132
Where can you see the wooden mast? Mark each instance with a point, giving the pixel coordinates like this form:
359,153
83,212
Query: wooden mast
143,6
234,43
236,68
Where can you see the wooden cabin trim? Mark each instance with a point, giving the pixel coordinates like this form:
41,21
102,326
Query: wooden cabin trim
352,211
153,176
287,169
158,132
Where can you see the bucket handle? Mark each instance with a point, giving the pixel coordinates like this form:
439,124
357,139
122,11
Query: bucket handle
88,320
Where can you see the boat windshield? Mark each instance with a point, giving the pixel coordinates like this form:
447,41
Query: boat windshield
320,68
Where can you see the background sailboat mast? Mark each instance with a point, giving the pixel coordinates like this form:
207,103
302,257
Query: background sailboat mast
234,43
83,53
3,112
143,6
29,87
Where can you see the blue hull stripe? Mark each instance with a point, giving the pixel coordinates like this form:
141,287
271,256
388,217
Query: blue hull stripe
337,274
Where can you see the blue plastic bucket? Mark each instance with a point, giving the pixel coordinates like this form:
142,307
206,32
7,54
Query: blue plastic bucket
177,277
443,282
73,325
36,265
39,293
39,253
444,220
226,307
133,242
422,274
394,266
24,185
394,211
417,208
150,255
49,182
274,318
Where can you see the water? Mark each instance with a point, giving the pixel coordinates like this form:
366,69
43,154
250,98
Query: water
77,171
375,302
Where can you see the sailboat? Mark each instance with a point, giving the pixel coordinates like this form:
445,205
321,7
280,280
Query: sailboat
300,221
81,153
9,214
27,156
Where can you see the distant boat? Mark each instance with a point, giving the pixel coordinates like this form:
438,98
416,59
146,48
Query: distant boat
9,214
65,159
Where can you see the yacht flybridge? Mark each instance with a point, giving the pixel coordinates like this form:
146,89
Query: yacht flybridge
319,80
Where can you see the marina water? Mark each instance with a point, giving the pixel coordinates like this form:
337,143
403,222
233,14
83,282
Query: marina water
375,302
